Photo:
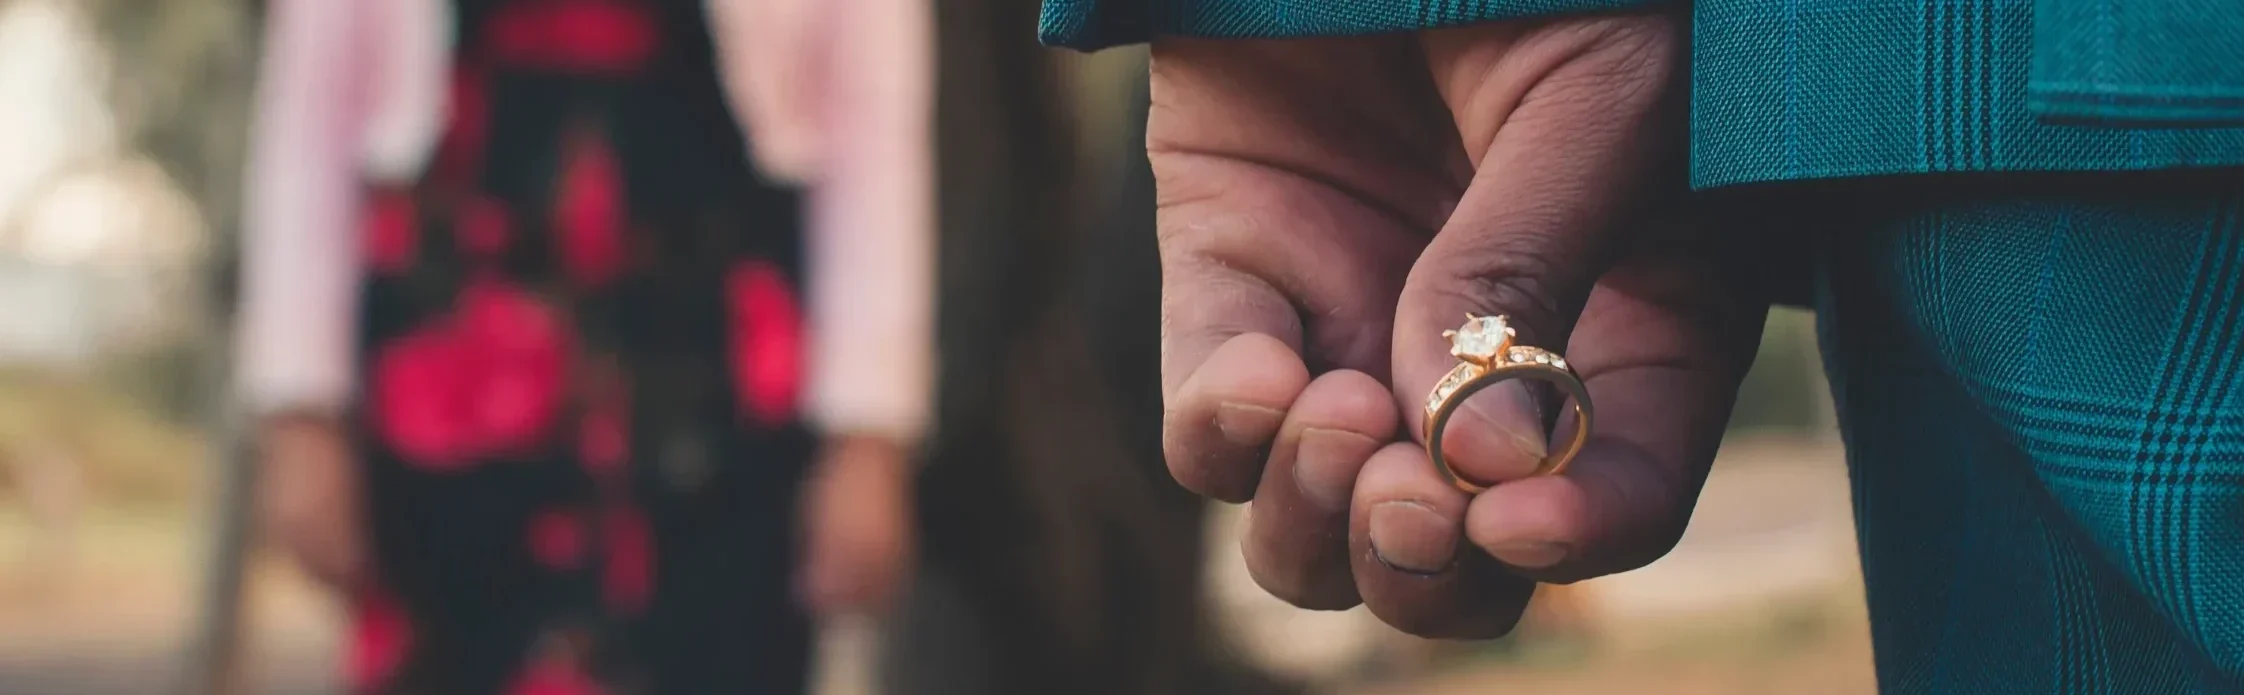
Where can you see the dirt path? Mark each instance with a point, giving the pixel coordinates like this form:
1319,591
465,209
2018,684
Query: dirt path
1760,597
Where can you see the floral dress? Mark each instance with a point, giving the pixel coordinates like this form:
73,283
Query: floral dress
582,354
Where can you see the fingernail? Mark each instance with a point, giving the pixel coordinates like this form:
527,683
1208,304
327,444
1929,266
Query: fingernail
1325,465
1530,554
1512,420
1247,425
1412,537
1530,448
1509,438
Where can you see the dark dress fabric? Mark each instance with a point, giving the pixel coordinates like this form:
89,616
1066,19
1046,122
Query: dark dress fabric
583,350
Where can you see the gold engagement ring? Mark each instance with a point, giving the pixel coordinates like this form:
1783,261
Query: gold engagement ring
1487,357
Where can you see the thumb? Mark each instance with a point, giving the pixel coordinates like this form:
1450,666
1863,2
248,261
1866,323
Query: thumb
1567,122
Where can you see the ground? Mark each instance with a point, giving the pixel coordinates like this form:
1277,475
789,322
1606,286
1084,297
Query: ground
1762,596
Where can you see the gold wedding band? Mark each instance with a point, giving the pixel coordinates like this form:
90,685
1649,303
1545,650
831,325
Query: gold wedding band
1486,357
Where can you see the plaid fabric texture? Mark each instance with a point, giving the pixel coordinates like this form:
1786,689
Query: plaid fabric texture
2153,62
2040,399
1787,90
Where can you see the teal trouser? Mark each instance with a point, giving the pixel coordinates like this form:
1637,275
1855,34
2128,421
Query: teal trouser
2038,392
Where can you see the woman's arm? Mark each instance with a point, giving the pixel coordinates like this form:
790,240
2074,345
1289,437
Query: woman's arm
872,222
299,246
851,117
772,54
300,272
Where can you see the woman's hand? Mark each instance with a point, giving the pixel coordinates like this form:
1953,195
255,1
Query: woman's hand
309,498
858,527
1328,207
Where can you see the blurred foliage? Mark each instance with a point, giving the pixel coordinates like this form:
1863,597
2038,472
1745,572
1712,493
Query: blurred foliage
1785,392
178,80
168,379
181,80
180,84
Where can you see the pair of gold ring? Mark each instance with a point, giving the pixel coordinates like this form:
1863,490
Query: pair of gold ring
1486,356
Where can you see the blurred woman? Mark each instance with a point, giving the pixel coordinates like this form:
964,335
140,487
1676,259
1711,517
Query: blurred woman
541,367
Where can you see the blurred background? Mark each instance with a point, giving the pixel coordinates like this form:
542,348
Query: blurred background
128,564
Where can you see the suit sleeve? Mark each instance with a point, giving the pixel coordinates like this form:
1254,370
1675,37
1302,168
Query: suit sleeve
1096,24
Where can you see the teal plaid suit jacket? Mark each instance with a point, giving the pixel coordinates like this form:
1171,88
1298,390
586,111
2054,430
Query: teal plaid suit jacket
2038,377
1802,89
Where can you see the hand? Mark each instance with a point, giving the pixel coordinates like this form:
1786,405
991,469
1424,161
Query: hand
857,520
1328,207
309,498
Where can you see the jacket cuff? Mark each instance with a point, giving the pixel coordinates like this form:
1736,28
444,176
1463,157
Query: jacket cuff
2149,64
1095,24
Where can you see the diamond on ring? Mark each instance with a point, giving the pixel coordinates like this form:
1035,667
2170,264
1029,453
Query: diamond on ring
1480,339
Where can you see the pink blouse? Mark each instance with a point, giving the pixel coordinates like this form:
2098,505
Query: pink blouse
351,88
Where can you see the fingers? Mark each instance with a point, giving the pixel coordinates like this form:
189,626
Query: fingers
1296,544
1223,418
1580,105
1283,247
1251,303
1409,559
1287,253
1662,349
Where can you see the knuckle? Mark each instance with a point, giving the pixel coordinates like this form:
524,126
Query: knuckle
1300,584
1637,43
1512,275
1426,624
1207,481
1204,472
1615,70
1324,599
1662,499
1205,303
1640,50
1420,627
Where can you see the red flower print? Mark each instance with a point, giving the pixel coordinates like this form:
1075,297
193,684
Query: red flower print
521,363
392,232
482,228
590,36
381,635
767,342
557,539
629,577
488,382
604,439
588,210
555,677
416,404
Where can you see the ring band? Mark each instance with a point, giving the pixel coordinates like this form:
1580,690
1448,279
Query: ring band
1487,357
